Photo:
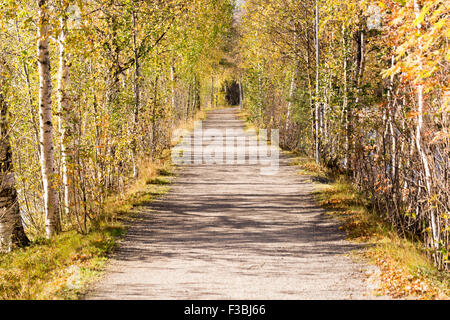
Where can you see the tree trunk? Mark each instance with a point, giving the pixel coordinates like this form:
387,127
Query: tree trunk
64,111
30,94
292,89
172,87
11,228
294,78
188,103
345,111
196,97
52,223
317,103
137,94
212,92
310,92
241,95
352,118
418,138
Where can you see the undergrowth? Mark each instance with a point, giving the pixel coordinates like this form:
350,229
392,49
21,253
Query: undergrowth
405,269
63,267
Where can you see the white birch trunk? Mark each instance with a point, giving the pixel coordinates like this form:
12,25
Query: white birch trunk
137,98
345,100
318,135
212,92
241,95
418,138
172,87
64,110
293,85
45,121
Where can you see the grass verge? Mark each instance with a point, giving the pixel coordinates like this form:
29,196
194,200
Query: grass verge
248,124
63,267
406,273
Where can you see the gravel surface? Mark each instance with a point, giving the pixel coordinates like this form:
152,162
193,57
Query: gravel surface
228,232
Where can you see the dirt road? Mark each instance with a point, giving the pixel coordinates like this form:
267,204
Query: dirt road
228,232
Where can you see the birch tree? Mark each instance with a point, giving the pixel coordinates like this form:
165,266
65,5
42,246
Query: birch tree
11,229
64,109
378,103
52,224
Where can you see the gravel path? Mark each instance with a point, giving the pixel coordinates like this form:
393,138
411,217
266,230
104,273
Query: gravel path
228,232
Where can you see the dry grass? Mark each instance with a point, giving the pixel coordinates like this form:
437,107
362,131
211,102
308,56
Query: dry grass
62,268
188,125
405,270
56,269
245,116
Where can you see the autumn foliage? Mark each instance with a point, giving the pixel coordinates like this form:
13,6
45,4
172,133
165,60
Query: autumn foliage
373,104
121,76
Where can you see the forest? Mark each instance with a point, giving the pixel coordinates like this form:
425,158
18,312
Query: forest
92,90
361,86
